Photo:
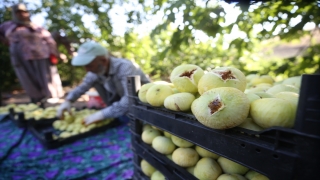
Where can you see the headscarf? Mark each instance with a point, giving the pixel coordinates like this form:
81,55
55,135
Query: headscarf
15,19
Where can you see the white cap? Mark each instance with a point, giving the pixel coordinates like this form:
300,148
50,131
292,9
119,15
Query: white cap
87,52
21,7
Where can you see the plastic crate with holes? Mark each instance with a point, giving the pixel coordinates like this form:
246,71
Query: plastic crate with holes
51,137
69,128
160,162
38,115
277,152
22,114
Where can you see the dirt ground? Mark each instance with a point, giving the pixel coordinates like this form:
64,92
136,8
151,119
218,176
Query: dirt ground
20,97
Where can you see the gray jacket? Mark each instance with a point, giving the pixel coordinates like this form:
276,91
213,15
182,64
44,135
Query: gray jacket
113,88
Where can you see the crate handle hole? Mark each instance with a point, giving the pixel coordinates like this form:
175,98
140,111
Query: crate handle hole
275,156
258,150
243,145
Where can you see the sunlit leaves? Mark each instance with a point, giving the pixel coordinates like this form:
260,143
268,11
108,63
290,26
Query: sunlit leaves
260,27
7,75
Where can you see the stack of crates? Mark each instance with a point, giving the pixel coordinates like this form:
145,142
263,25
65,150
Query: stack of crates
278,153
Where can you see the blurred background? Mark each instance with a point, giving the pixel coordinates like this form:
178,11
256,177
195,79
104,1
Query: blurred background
278,38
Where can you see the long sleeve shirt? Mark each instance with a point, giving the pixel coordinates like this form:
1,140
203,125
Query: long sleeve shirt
115,85
34,42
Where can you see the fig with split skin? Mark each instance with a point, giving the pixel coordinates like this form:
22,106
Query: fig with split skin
221,108
186,77
222,77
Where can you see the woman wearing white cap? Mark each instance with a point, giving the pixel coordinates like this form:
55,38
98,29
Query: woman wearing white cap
33,55
108,75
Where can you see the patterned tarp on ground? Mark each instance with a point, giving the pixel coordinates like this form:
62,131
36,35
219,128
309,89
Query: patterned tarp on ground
106,155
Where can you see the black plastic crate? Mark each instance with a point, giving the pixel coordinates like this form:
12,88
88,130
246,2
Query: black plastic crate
138,174
142,153
19,118
20,121
159,161
44,133
278,153
308,112
4,114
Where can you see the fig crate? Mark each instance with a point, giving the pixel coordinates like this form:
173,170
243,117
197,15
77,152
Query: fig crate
278,153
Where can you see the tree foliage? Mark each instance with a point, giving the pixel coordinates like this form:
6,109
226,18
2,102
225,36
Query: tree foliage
168,46
279,14
7,76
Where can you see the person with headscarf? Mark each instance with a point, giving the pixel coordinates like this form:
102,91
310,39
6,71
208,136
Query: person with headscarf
33,54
